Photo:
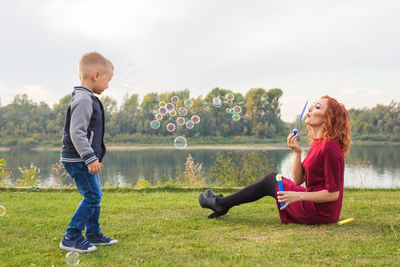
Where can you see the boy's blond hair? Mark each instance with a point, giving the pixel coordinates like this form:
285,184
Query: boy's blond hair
91,62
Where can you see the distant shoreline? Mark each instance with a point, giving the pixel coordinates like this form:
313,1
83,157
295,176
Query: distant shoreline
195,147
167,147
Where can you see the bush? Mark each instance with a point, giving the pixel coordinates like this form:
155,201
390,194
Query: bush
193,174
142,183
29,176
27,142
9,141
5,179
59,174
240,169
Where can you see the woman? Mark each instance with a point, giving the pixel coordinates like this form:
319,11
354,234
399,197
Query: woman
322,171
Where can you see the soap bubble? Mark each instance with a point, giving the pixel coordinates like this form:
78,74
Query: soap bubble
182,111
189,124
174,99
180,121
2,210
237,109
195,119
229,97
235,117
188,103
72,258
163,110
217,102
155,124
170,127
172,113
162,104
170,106
228,110
180,142
158,116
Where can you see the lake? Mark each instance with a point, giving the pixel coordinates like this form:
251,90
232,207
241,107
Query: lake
367,166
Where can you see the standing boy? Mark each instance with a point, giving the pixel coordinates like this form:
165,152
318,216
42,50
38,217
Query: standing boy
82,152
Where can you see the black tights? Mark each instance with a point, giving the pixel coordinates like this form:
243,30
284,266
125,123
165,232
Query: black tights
253,192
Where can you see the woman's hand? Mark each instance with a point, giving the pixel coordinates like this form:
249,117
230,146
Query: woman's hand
293,143
288,197
322,196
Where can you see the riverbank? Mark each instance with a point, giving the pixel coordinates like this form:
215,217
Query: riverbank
277,146
168,147
166,228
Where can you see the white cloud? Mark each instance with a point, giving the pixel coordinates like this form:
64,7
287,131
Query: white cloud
35,92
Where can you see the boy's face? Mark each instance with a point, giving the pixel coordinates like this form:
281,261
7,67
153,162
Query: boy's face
101,80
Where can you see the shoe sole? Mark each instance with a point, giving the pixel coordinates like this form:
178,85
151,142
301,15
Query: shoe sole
104,244
92,249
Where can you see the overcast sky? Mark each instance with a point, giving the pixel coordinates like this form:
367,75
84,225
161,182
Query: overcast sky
347,49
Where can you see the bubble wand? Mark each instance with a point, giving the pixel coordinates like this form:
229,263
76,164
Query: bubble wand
278,178
301,116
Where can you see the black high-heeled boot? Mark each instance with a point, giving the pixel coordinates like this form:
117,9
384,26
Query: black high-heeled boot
210,194
210,203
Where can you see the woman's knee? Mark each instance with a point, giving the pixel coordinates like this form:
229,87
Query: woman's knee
270,176
269,183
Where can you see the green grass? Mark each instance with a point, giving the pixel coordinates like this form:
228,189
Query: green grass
168,228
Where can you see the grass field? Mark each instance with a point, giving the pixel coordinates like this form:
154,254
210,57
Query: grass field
168,228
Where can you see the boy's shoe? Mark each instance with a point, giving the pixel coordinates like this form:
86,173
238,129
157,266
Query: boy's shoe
80,245
100,239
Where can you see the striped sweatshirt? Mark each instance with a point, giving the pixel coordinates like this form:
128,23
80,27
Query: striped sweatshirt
84,128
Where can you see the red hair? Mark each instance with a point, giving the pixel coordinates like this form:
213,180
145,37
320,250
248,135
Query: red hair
337,125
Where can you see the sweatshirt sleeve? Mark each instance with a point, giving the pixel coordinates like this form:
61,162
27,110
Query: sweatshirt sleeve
81,112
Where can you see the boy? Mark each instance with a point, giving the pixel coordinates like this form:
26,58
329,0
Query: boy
82,152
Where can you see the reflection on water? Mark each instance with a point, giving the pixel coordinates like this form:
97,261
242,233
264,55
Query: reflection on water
366,166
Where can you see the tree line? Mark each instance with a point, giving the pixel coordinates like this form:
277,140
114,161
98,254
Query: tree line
380,123
24,123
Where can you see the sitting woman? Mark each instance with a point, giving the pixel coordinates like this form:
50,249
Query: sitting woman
322,171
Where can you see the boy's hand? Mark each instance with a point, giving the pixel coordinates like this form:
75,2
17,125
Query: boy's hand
95,167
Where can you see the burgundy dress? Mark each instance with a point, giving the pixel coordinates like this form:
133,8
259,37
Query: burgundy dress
323,169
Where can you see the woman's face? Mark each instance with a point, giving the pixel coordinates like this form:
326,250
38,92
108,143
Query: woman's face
316,113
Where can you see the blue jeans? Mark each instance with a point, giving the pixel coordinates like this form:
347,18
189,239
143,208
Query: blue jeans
88,211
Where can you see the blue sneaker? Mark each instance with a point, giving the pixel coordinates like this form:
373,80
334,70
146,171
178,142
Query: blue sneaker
100,239
79,244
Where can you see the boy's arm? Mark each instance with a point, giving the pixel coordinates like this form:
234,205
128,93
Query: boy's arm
81,112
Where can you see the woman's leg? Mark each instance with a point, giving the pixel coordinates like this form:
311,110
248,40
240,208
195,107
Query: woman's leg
253,192
220,205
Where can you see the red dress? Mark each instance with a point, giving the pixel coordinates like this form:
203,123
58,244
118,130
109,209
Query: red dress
323,169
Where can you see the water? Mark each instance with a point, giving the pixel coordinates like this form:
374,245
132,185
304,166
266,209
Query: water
366,166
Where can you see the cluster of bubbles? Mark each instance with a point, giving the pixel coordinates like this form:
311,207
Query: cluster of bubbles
2,210
231,109
179,114
72,258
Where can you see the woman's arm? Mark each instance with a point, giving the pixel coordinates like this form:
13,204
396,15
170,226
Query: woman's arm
297,170
322,196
